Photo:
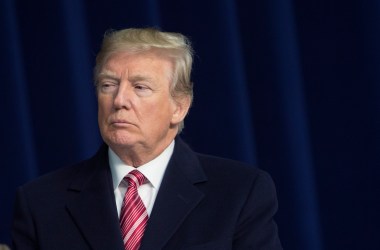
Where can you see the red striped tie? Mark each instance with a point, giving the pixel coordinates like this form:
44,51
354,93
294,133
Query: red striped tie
133,214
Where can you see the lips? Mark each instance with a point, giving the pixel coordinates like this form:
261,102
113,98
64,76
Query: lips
119,122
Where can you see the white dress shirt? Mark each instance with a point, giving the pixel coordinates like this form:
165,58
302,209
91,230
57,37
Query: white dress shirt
153,171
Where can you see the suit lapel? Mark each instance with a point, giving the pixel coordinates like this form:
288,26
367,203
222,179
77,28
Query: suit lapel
176,198
91,204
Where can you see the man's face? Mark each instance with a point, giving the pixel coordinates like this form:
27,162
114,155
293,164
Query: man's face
136,110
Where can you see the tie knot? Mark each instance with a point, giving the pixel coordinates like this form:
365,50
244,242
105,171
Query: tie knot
135,178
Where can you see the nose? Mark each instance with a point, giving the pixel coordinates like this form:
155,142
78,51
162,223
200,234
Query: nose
122,98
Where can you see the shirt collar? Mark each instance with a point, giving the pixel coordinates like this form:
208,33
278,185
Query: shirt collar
153,170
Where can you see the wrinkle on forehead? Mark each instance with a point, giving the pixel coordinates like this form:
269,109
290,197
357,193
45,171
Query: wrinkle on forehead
152,56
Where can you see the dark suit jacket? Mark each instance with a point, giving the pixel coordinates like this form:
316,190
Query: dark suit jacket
204,203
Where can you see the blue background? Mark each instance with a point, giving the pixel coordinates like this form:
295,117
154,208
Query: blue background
290,86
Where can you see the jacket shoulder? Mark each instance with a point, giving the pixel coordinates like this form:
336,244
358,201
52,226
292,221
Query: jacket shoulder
229,167
64,175
56,179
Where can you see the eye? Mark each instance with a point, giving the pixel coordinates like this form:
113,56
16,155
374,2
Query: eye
142,89
107,86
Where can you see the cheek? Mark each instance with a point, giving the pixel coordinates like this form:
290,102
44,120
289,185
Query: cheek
159,113
101,119
104,104
100,112
103,111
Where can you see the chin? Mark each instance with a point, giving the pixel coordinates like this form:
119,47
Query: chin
117,140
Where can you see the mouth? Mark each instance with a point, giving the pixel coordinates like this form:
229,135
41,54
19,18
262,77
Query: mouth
120,123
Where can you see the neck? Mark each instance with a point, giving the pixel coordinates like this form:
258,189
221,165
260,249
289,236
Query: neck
138,155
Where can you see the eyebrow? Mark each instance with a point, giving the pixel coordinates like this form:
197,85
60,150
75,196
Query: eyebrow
107,74
140,78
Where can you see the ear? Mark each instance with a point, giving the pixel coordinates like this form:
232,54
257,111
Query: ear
181,107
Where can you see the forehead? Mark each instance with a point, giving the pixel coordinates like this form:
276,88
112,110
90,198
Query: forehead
147,61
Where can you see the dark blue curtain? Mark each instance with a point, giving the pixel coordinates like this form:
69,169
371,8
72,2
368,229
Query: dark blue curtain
290,86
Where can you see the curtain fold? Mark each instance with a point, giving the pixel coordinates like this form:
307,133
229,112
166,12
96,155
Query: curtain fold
80,61
293,118
17,138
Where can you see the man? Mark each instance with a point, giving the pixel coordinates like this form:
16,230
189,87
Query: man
145,188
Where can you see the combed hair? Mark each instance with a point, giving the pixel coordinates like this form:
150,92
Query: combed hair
174,45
